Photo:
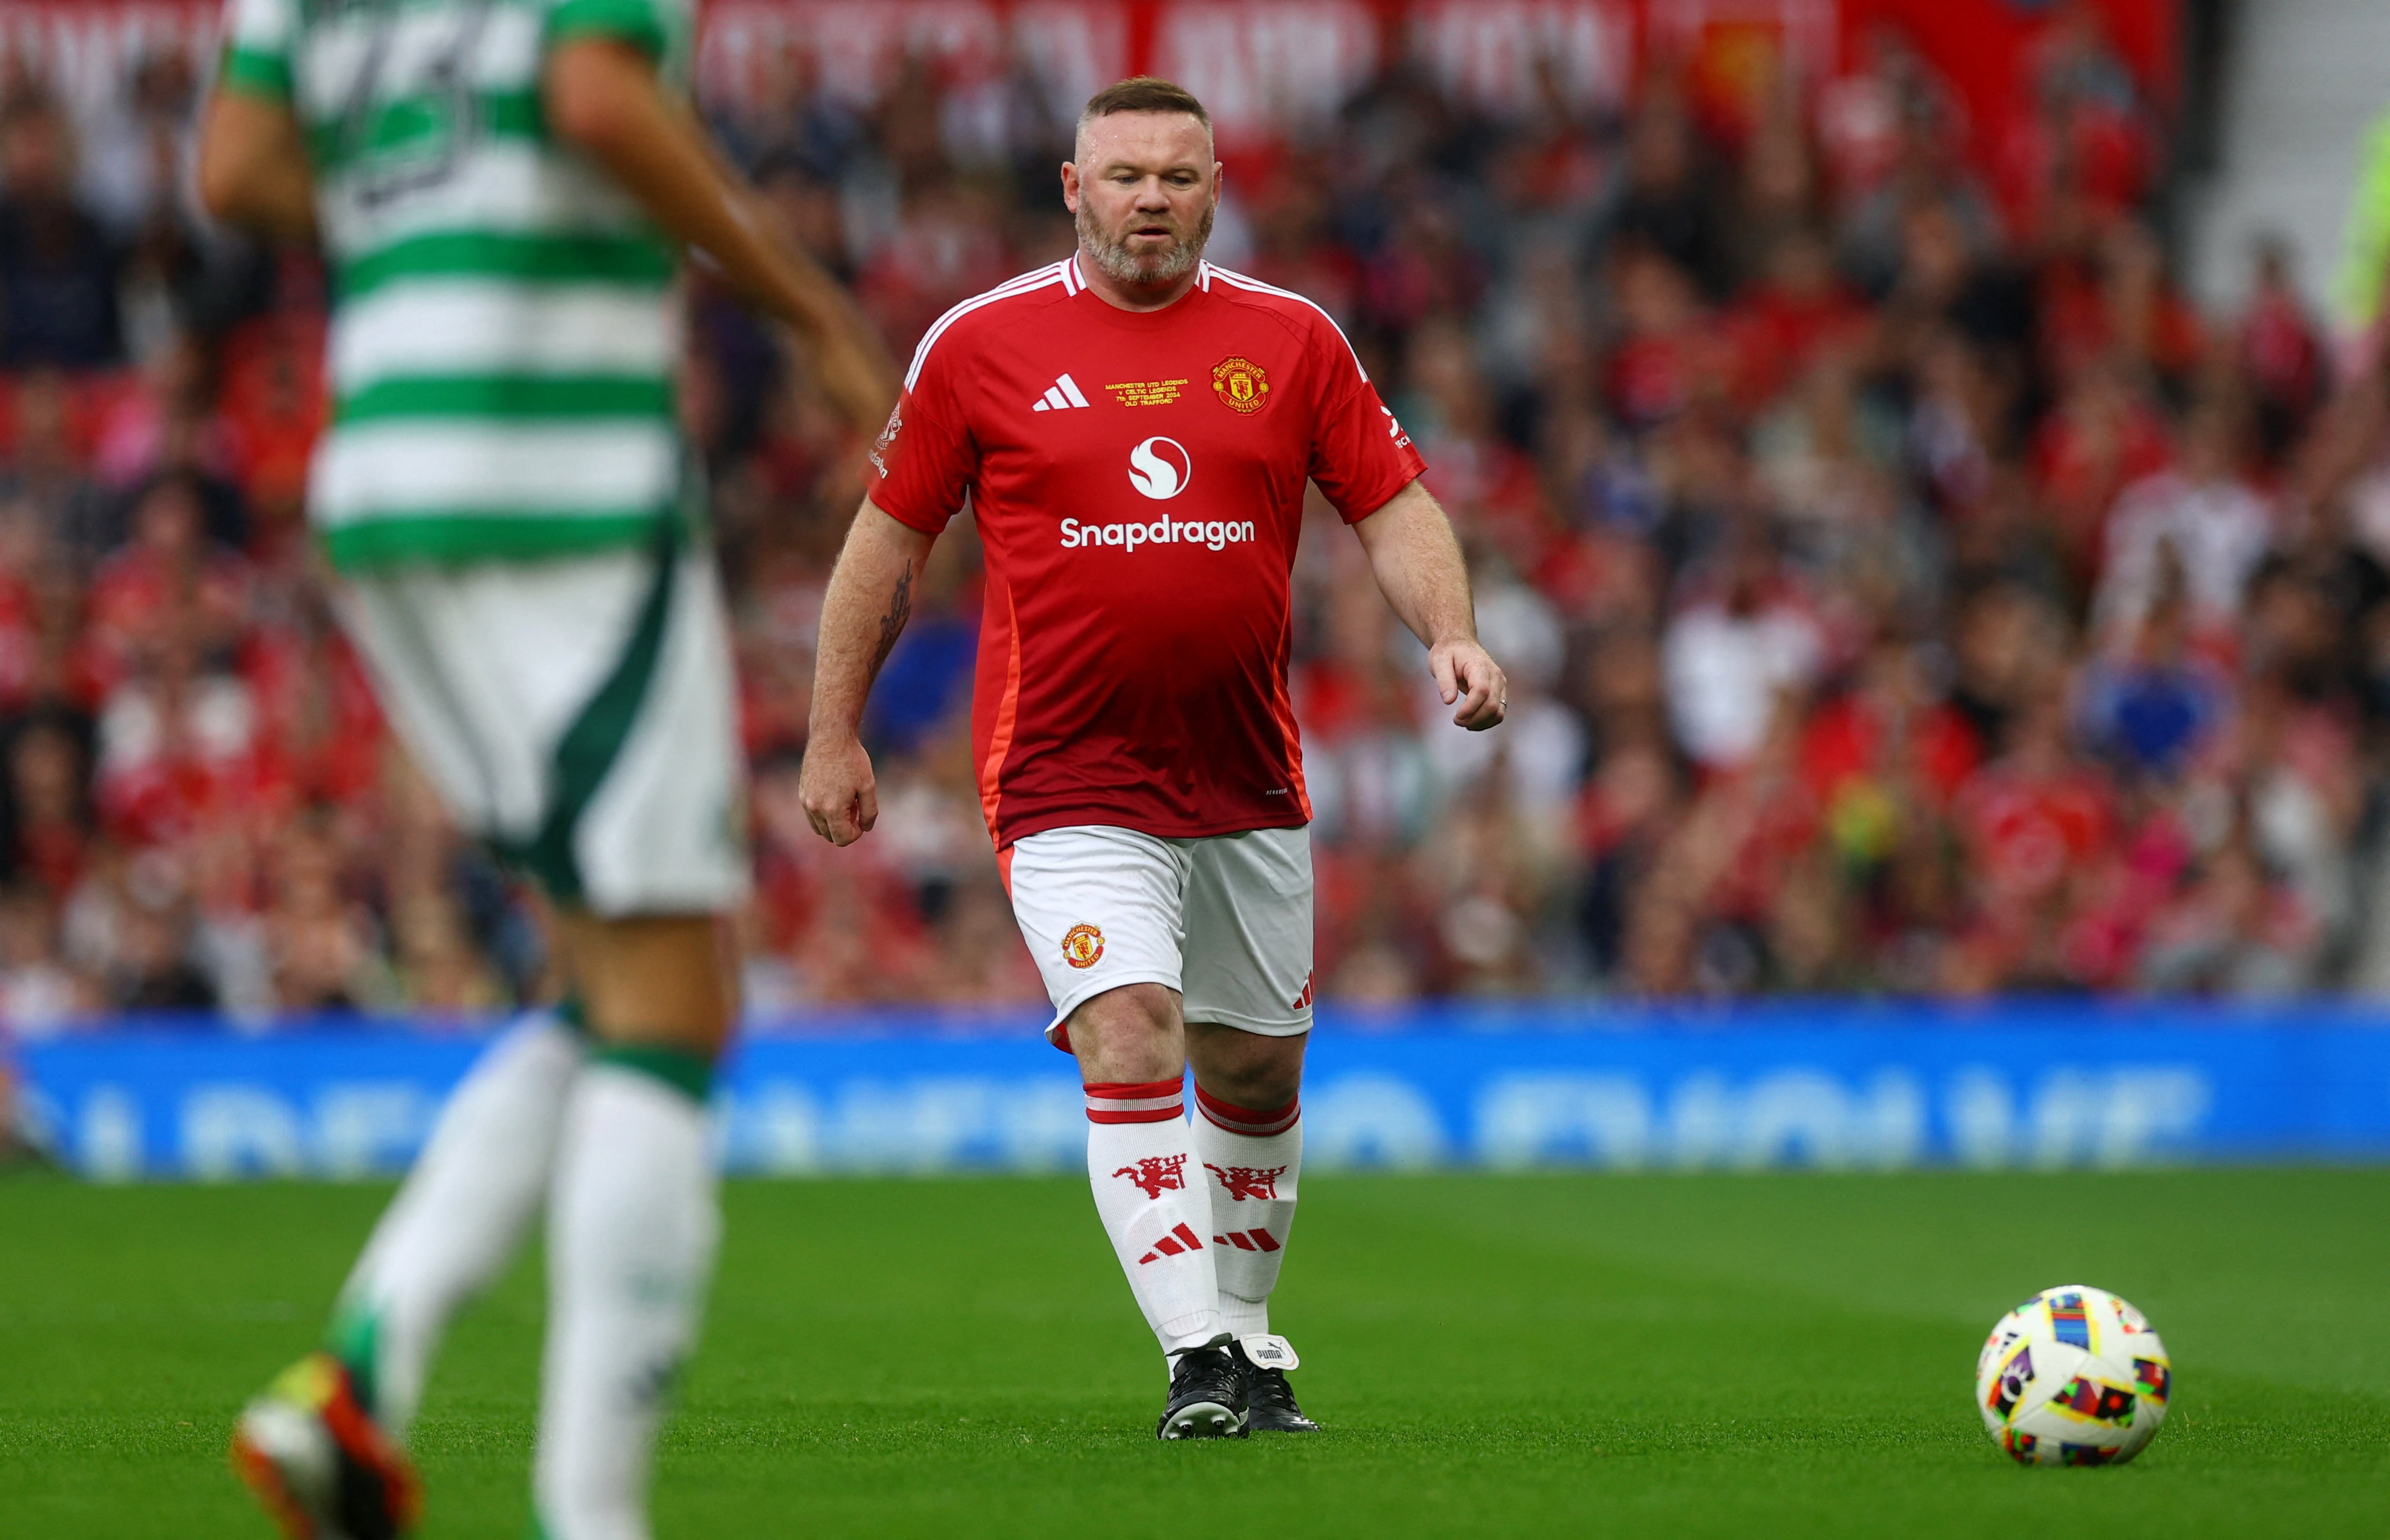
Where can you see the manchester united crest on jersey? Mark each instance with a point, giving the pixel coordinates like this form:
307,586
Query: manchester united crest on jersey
1119,593
1082,947
1242,385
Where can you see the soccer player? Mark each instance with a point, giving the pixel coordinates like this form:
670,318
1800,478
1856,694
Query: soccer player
503,191
1133,428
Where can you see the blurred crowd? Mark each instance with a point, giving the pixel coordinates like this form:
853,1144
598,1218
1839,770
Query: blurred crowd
1903,588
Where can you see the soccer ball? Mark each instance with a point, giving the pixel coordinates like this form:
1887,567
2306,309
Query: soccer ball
2073,1375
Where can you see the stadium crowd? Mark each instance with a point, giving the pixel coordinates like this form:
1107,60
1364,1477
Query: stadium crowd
1903,587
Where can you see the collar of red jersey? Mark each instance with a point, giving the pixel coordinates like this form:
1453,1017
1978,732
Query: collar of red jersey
1074,279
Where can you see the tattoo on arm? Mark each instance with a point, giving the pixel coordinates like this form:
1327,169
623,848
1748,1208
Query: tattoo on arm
891,625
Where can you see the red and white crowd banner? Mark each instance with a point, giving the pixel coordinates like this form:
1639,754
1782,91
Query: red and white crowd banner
1495,54
1259,64
85,52
854,51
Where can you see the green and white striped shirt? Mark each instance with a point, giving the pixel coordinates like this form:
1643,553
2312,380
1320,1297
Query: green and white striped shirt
505,331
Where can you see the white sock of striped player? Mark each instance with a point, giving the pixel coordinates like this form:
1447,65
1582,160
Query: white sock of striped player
633,1228
1250,1161
1140,1157
461,1216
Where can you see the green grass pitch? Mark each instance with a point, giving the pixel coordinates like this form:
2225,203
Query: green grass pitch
1678,1355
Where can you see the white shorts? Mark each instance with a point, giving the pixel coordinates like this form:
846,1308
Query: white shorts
1224,920
578,714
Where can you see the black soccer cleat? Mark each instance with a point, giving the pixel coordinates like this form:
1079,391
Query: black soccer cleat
1207,1397
1269,1400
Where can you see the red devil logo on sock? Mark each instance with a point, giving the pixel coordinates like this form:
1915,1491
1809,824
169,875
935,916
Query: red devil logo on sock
1157,1174
1244,1182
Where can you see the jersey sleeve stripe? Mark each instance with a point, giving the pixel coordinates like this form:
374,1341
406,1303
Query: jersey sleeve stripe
1257,287
1025,284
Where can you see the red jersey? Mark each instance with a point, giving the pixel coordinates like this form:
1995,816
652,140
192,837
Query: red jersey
1139,481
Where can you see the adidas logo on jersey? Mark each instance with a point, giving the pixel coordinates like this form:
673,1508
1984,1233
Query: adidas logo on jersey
1061,396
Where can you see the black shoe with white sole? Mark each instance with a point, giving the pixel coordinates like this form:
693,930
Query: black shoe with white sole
1207,1397
1269,1400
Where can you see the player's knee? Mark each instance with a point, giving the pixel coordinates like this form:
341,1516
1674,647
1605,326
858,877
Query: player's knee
1258,1090
1131,1008
698,1027
1129,1034
1258,1072
660,981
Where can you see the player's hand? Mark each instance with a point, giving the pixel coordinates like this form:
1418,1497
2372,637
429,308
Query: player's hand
841,800
1464,674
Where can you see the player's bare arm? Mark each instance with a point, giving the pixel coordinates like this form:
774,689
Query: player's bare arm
1418,568
603,97
871,598
253,169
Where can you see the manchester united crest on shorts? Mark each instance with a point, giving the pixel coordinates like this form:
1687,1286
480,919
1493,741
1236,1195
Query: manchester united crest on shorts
1240,384
1082,947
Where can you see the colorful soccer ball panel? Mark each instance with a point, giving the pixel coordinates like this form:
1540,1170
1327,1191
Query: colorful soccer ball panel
2008,1386
2073,1375
2093,1402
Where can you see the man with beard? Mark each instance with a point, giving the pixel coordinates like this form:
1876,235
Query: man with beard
1132,427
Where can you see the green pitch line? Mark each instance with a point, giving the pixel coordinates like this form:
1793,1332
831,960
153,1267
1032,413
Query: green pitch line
1537,1355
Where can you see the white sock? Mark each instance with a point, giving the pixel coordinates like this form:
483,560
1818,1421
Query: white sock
632,1232
461,1216
1140,1158
1251,1161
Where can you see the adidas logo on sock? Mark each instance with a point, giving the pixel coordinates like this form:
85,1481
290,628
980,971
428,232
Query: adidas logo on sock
1061,396
1254,1239
1178,1241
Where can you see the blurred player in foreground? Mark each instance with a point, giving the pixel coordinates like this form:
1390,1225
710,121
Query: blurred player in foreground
503,192
1133,427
